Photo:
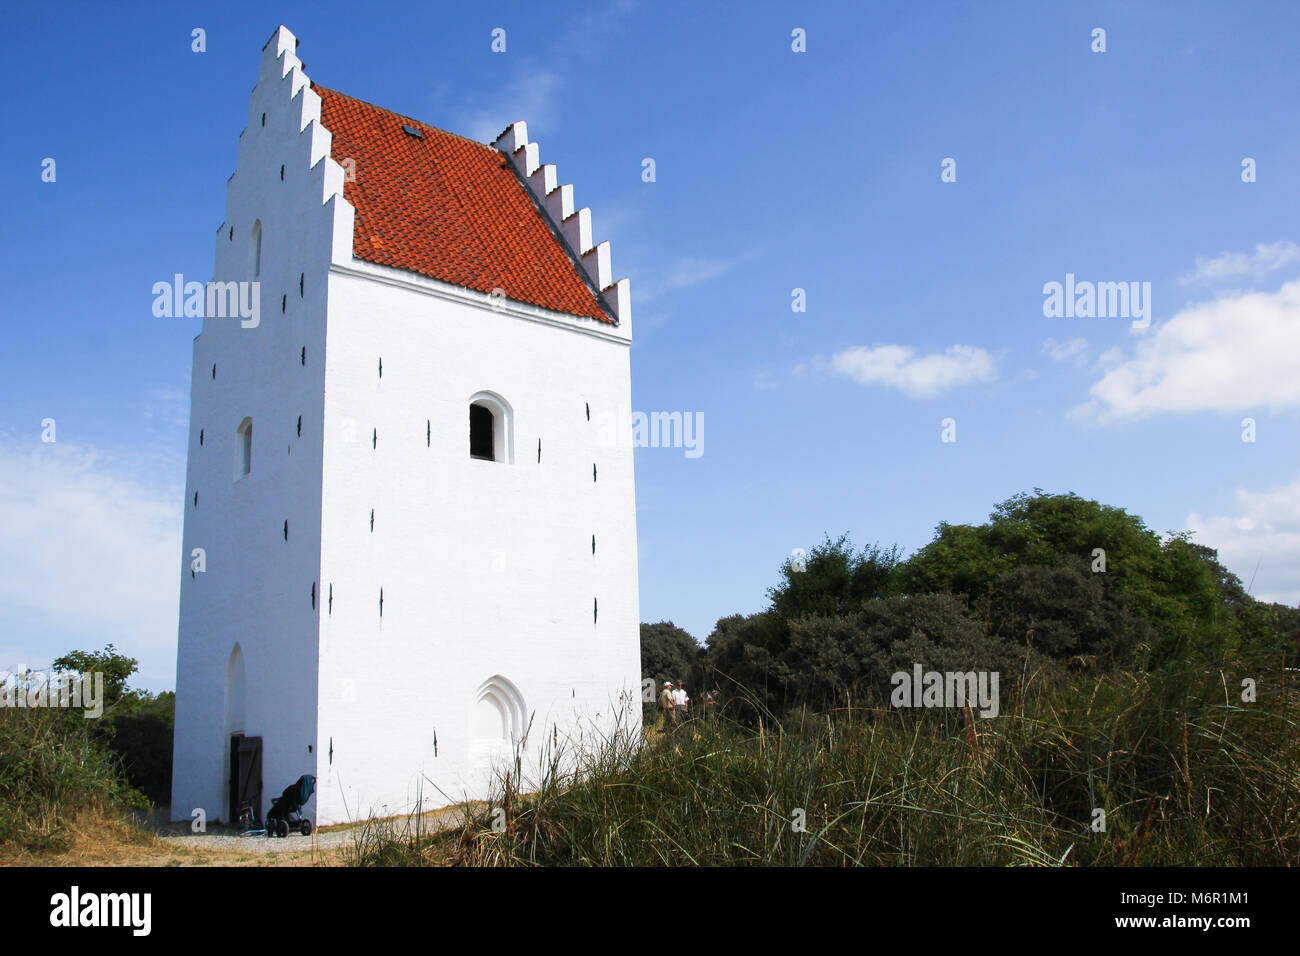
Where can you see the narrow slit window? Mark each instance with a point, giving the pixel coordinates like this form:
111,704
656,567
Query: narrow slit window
255,251
244,448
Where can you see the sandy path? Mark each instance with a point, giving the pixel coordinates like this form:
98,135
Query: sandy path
177,843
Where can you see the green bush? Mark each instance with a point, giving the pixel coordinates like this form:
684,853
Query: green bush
53,769
57,766
136,726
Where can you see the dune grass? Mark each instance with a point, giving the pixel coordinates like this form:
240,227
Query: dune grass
56,781
1186,772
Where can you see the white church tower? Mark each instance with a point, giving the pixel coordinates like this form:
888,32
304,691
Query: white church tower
410,544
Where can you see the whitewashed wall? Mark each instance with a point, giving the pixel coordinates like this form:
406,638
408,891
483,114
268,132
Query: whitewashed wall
486,567
257,587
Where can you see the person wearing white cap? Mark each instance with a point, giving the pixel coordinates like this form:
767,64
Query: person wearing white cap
668,706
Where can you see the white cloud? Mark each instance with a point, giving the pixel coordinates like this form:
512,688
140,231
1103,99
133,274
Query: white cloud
1264,534
1267,257
167,407
533,92
1071,351
898,366
91,554
531,96
682,274
1231,354
1110,358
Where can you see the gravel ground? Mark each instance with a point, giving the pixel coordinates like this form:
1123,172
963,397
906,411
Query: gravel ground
223,839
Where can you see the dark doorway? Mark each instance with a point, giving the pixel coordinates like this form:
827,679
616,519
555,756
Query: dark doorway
245,777
482,442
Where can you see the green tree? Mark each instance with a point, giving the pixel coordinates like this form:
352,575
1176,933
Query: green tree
115,667
667,652
1034,529
1193,604
136,726
960,559
835,579
745,657
142,738
1064,609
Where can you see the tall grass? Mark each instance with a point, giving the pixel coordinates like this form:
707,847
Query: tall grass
404,840
54,774
1186,772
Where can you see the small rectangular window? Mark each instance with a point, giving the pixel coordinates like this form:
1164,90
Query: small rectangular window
481,439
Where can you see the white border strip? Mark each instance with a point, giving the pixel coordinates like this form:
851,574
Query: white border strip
414,282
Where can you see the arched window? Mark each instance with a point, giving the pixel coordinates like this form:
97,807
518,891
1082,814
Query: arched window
499,714
490,424
255,251
243,448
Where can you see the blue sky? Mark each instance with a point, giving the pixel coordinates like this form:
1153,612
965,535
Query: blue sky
775,170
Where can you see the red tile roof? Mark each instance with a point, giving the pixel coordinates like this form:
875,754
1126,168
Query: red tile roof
448,208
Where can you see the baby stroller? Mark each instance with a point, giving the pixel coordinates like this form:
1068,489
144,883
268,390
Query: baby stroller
284,815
